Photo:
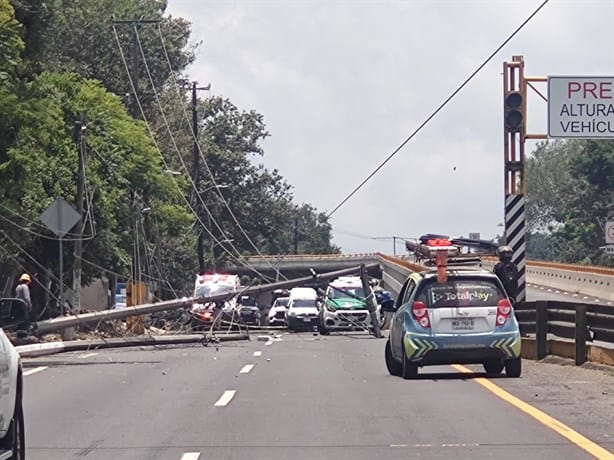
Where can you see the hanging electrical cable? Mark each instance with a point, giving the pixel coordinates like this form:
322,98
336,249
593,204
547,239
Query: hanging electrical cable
206,164
239,260
438,109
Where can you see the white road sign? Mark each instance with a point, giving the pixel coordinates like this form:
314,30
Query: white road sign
609,232
581,107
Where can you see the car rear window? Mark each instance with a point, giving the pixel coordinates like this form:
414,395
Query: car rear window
460,293
282,302
304,303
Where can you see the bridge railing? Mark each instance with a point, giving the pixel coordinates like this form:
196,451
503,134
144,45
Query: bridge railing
582,322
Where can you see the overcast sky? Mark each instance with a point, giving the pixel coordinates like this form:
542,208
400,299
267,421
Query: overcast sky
342,83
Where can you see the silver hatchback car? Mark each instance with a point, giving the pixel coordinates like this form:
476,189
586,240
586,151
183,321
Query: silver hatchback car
465,319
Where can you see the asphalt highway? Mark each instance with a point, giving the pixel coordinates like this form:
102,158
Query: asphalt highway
305,396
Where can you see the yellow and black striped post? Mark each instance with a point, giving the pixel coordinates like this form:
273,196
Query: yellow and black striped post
514,129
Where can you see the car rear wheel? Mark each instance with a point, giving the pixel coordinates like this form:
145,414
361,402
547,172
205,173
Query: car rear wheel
409,370
494,366
15,440
394,367
513,367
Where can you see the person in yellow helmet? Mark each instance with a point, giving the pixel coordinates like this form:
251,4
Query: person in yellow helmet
22,291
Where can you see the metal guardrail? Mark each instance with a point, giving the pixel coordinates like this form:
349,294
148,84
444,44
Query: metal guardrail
596,269
571,320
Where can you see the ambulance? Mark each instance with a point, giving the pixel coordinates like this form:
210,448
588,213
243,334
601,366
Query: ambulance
208,285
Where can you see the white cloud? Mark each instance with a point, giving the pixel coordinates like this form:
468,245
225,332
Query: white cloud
342,83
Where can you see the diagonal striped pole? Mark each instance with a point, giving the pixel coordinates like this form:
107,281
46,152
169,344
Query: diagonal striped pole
515,236
514,131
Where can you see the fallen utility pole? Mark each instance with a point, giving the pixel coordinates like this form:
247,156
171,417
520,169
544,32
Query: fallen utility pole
308,279
106,315
370,300
186,302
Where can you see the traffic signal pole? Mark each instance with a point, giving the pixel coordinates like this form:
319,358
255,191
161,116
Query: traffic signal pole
515,85
514,129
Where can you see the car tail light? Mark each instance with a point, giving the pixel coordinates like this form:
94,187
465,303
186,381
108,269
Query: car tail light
504,308
420,312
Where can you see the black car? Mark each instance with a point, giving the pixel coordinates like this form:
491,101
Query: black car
250,314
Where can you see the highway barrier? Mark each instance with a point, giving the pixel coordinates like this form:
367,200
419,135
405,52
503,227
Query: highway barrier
581,322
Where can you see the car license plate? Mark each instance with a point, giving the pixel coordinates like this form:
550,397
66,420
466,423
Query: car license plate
463,324
307,320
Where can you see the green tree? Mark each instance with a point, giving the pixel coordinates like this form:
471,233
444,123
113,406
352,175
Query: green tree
122,165
11,45
569,187
80,37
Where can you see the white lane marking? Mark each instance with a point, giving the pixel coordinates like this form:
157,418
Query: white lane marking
245,369
257,353
35,370
87,355
269,343
549,290
190,456
225,398
597,300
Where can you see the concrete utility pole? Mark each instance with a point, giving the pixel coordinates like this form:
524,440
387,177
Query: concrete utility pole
106,315
79,136
135,110
371,305
196,169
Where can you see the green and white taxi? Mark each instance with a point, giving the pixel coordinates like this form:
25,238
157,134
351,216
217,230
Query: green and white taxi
464,317
344,306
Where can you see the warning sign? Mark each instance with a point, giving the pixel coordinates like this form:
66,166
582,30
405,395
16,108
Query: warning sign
581,107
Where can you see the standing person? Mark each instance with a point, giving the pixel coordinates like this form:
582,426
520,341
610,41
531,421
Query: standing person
22,291
507,271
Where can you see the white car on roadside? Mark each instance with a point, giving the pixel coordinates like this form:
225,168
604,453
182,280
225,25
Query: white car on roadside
12,428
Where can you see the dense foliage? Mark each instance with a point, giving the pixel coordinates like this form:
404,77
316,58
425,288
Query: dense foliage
570,186
64,63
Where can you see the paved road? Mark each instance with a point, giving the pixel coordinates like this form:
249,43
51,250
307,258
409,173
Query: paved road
306,397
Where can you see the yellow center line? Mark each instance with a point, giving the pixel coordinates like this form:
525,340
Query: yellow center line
543,418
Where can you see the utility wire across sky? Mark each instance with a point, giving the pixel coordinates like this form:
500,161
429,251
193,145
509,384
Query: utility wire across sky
438,109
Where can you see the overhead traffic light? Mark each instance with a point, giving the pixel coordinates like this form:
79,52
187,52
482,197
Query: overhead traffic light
515,110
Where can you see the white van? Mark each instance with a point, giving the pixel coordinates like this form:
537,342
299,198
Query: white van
302,309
